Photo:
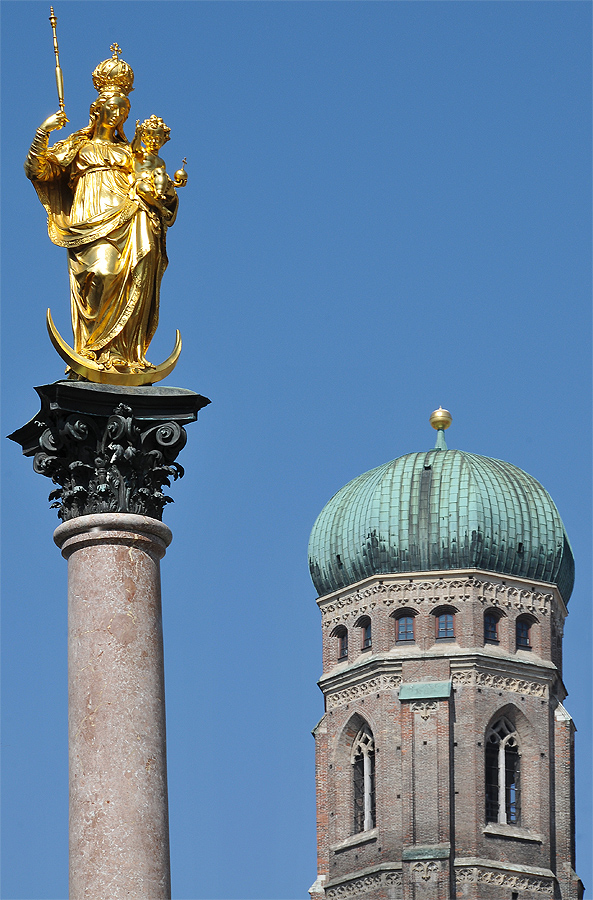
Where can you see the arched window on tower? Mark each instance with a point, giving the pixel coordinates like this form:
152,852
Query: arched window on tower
444,623
363,774
341,633
491,620
523,632
445,627
503,791
364,623
404,625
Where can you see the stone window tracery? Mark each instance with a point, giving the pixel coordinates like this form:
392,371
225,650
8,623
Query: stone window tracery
363,774
503,794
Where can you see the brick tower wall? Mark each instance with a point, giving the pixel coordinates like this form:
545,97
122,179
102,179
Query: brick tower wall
429,704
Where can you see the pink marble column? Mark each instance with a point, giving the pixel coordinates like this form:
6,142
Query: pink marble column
119,830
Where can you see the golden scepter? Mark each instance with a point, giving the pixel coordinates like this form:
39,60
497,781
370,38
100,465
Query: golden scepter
59,78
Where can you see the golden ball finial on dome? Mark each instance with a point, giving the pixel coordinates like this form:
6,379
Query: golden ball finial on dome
441,419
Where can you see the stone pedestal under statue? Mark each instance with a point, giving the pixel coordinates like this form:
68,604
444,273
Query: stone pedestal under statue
110,451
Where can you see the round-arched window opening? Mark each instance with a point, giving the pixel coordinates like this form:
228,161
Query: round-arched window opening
445,626
404,629
364,623
491,625
444,617
523,632
341,633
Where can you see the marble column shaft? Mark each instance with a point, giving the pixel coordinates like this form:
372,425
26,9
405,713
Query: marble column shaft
119,831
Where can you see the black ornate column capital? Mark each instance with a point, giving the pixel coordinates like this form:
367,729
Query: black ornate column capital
109,449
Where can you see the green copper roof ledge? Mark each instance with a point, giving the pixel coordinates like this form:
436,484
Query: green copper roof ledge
425,690
427,851
440,510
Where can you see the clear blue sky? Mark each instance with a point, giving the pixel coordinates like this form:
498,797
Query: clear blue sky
388,209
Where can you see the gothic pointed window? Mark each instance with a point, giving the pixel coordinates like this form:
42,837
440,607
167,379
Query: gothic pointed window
503,790
363,774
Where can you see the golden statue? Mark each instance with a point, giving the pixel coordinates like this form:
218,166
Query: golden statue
109,204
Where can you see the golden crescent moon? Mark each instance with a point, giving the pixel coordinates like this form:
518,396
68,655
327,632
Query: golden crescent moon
90,370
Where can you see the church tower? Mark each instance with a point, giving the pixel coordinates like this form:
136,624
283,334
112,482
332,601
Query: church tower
444,759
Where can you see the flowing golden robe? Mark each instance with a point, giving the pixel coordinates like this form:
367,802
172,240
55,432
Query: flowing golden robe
115,242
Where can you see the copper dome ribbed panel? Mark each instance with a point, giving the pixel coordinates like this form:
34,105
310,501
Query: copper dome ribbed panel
439,510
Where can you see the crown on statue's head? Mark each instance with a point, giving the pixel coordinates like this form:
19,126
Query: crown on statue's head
114,74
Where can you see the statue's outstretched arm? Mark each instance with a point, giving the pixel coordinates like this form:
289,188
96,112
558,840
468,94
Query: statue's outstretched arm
38,166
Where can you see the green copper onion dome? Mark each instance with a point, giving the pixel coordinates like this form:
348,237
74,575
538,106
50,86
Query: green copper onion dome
438,510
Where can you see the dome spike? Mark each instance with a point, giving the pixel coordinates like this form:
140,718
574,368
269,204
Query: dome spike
440,443
440,419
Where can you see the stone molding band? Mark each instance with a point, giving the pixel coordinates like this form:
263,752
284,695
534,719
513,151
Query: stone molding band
141,532
479,875
358,886
363,689
426,871
459,677
499,682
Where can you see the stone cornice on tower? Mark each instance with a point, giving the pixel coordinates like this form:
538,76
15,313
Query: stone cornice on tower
440,587
384,673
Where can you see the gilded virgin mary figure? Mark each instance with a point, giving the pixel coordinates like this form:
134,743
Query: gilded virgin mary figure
114,233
